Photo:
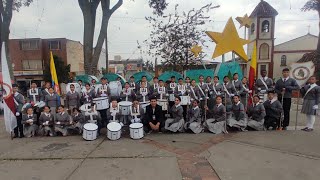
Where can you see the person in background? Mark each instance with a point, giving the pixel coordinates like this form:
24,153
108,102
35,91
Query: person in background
256,114
133,84
187,81
88,94
153,119
284,88
127,94
78,120
273,109
311,101
137,112
18,102
72,99
154,86
216,90
229,92
236,84
113,113
62,121
52,100
193,91
80,84
34,94
45,91
28,121
93,84
93,116
46,121
176,123
216,117
143,92
263,85
244,95
194,118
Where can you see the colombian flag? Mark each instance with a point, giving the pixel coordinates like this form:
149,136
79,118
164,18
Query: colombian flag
55,83
253,67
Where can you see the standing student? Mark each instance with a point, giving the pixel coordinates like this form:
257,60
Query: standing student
216,90
216,117
194,118
72,99
311,101
88,94
133,84
45,91
175,124
46,122
127,94
154,86
245,94
187,81
28,121
143,92
104,91
113,113
229,92
193,91
52,100
93,116
153,119
284,88
263,85
18,102
273,109
256,114
62,121
34,94
239,118
236,84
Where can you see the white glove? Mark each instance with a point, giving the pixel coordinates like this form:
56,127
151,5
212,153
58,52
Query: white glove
200,99
231,94
47,122
58,122
250,91
259,89
17,114
315,107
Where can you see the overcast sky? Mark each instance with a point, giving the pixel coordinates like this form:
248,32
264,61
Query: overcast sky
63,19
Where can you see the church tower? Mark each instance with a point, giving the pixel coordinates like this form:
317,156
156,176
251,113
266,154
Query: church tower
262,32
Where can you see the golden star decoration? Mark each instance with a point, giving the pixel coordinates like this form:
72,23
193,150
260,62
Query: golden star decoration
196,50
244,21
228,41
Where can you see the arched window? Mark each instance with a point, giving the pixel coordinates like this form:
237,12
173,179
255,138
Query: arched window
265,26
253,28
283,60
264,51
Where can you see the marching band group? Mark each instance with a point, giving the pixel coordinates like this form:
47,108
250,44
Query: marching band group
166,106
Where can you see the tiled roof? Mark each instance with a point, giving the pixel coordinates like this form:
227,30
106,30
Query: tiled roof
264,9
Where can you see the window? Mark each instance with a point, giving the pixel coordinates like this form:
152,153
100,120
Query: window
264,51
283,60
54,45
29,45
253,28
32,64
265,26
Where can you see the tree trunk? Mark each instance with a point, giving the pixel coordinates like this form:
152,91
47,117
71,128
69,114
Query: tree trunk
107,53
318,45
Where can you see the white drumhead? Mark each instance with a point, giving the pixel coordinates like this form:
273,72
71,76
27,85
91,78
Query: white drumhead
100,98
136,125
114,126
90,126
125,103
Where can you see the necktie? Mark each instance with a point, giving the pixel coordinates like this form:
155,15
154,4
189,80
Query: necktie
136,110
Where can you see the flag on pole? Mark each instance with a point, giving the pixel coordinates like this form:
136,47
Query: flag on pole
253,67
9,108
54,78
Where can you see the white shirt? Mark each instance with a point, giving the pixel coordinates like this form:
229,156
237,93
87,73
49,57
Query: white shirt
238,103
285,79
195,107
219,104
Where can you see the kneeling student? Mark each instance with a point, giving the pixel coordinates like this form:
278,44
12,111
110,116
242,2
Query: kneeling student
216,122
256,115
63,122
137,112
176,123
46,122
78,120
113,113
239,118
273,109
28,121
194,118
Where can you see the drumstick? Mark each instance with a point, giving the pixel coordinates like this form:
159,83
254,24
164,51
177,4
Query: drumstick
206,104
225,103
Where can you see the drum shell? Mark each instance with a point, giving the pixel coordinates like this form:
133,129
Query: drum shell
163,104
136,132
89,135
185,100
125,108
113,134
171,97
101,103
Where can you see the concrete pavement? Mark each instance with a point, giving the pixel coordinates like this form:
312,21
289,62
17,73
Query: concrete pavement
284,155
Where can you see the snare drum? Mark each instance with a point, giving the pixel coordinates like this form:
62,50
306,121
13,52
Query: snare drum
101,103
114,131
90,131
163,103
144,105
171,97
136,130
40,104
125,107
185,100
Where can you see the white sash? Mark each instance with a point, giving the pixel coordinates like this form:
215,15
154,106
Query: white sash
214,88
201,90
234,86
264,83
311,87
193,92
224,86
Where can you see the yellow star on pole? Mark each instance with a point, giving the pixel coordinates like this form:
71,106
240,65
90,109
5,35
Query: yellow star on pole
228,41
196,49
244,21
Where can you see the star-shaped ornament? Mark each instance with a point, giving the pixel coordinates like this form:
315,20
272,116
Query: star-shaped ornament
228,41
244,21
196,50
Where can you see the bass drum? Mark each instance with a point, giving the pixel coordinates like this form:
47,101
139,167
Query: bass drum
115,88
76,86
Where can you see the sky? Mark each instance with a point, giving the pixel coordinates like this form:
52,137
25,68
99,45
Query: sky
63,19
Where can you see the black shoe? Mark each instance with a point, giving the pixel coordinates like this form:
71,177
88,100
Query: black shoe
304,129
309,130
285,128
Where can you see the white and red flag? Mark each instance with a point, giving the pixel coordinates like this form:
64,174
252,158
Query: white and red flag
8,101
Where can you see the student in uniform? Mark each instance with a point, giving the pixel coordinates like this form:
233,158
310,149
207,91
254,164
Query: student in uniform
52,100
28,121
236,84
256,114
187,81
180,89
46,121
104,91
88,94
273,109
153,119
194,118
285,86
216,122
175,124
161,92
153,88
18,102
72,99
263,85
34,94
216,90
93,84
137,112
133,84
311,101
127,94
81,85
203,91
229,92
45,91
93,116
62,121
193,91
78,120
113,113
143,92
244,96
238,119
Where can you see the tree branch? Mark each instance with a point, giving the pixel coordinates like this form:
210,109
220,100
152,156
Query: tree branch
115,7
